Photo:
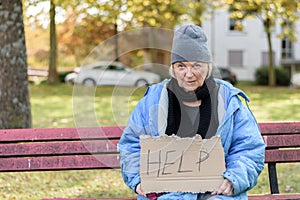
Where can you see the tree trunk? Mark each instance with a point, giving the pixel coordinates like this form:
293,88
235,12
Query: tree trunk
272,77
116,37
14,93
52,76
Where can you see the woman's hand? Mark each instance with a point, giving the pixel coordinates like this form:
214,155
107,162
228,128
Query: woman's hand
139,190
225,189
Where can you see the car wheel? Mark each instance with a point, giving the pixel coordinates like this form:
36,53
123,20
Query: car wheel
141,83
89,82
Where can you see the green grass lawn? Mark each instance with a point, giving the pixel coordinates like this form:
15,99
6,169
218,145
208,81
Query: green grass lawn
53,106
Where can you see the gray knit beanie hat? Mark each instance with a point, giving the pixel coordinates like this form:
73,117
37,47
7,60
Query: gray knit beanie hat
190,44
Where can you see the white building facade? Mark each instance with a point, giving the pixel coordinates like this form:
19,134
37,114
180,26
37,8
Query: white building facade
246,50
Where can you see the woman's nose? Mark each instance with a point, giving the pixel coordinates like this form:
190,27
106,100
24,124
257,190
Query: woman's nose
189,72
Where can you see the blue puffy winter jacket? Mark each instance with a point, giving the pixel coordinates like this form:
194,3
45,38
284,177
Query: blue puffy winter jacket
241,139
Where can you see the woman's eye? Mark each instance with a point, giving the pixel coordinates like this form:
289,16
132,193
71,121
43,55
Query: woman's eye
197,66
180,66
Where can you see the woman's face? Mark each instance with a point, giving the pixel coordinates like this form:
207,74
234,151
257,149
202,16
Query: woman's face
190,75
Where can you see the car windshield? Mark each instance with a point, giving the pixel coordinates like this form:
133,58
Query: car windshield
99,67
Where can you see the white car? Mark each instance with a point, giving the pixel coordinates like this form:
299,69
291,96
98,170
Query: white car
296,80
111,73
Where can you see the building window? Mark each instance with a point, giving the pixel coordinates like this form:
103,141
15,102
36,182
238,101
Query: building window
235,25
286,49
286,43
265,58
235,58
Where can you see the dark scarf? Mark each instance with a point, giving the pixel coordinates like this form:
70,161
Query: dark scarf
176,95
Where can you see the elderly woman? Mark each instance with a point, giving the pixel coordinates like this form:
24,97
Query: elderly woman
193,102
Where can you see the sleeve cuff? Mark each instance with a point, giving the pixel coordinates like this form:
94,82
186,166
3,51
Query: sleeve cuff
135,182
234,182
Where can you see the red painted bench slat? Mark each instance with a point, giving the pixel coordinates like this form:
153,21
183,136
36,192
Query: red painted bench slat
274,197
59,148
280,156
284,140
276,128
90,199
59,163
49,134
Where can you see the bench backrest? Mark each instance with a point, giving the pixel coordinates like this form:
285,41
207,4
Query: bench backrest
282,140
59,148
96,147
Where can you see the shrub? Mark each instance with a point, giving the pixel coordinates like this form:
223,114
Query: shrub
262,75
62,75
41,56
281,74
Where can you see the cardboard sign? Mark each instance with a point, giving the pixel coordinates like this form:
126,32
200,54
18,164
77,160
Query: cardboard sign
173,164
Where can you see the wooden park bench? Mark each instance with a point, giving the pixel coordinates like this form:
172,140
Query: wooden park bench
283,142
50,149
